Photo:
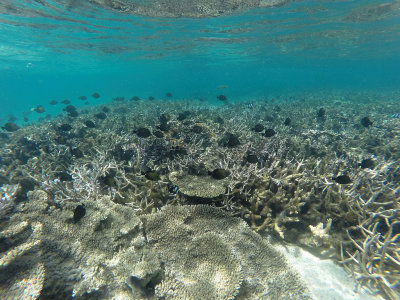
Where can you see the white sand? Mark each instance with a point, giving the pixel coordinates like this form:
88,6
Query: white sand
325,279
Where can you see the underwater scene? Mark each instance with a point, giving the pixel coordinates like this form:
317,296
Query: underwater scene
188,149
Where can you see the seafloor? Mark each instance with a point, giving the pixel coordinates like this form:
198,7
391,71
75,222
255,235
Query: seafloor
148,199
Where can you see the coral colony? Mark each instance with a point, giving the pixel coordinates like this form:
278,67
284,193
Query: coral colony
126,200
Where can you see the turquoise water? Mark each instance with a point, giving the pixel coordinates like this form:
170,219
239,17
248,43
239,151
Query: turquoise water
50,52
301,149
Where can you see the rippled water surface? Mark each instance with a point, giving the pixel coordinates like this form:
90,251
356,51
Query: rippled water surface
36,31
299,44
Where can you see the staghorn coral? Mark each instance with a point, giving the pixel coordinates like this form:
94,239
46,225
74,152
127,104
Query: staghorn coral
371,248
287,186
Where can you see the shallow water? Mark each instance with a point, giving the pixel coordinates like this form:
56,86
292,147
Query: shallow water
277,66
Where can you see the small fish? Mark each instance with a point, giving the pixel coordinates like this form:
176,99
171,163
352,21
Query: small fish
249,105
396,116
96,95
342,179
53,102
222,98
39,109
222,86
79,212
366,122
12,118
10,127
66,101
82,98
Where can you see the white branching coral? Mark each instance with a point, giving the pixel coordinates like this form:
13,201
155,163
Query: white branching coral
321,231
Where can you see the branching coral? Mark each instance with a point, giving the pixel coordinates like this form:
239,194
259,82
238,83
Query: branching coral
286,182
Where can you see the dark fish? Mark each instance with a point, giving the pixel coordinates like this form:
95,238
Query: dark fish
53,102
151,98
10,127
26,119
258,128
12,118
79,212
69,108
86,103
90,124
169,95
143,132
158,134
39,109
73,113
251,158
101,116
66,101
222,98
96,95
342,179
269,132
321,113
220,174
77,152
366,122
118,99
152,175
64,127
183,115
82,98
164,118
367,163
135,98
105,109
287,122
64,176
230,140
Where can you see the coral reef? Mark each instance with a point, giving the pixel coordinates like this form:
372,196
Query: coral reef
181,252
322,180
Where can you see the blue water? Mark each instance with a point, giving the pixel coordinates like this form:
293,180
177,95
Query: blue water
50,52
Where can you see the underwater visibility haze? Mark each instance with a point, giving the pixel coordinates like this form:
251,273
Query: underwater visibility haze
199,149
